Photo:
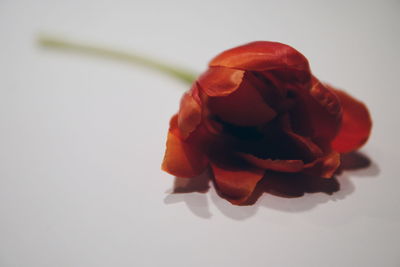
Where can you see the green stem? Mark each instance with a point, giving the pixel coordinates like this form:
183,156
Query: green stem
59,43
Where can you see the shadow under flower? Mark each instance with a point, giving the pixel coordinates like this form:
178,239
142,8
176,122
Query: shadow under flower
357,161
196,201
284,192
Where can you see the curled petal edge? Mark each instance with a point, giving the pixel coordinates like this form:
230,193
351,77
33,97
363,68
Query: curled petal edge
236,184
189,115
220,81
262,56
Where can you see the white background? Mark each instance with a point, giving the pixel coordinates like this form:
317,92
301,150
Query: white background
82,138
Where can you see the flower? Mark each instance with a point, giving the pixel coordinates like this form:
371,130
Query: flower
256,112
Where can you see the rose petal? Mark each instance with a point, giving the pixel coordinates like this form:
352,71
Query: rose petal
275,165
292,185
272,91
243,107
189,115
287,185
220,81
236,184
324,167
183,158
274,141
271,142
310,150
356,125
330,165
262,56
317,113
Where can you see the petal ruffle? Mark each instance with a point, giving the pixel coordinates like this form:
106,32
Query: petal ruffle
243,107
235,183
220,81
189,115
183,158
262,56
356,125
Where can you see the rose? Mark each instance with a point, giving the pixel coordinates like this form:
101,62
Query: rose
256,111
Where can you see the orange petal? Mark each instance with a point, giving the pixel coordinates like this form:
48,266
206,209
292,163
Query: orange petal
262,56
236,184
220,81
183,158
356,125
189,115
244,107
275,165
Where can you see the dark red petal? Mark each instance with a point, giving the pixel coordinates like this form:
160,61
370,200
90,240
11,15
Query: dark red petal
220,81
235,183
324,167
356,125
244,107
309,149
272,91
317,113
189,115
307,146
275,165
262,56
291,185
183,158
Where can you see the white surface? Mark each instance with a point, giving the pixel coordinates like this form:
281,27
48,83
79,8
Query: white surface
82,139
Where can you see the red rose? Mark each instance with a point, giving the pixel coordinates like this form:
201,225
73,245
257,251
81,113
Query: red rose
259,110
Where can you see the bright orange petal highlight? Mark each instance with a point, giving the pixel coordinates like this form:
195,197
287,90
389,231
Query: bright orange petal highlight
182,158
189,115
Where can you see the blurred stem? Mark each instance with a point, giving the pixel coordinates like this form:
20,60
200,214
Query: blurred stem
63,44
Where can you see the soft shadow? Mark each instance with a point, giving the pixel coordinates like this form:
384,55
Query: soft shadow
354,161
333,189
234,212
200,184
196,201
359,164
284,192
